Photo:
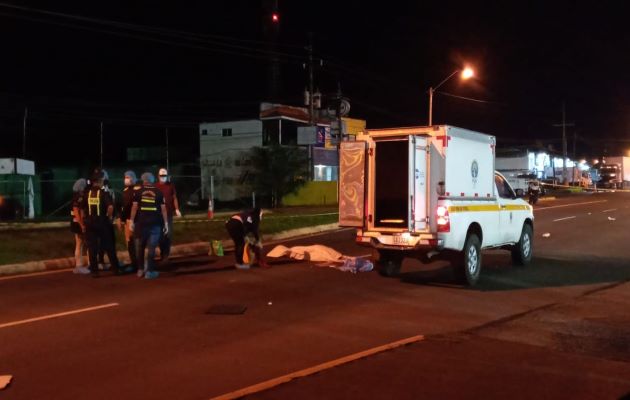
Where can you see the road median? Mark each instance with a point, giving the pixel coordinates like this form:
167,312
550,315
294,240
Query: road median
181,250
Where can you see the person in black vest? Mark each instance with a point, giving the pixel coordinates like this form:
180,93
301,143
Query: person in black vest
125,214
239,227
97,213
148,220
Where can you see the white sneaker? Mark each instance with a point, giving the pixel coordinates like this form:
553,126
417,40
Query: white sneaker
81,270
242,266
140,273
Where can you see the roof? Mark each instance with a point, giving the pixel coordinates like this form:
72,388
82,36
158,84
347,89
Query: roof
285,112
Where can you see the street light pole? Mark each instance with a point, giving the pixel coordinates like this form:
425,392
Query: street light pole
466,73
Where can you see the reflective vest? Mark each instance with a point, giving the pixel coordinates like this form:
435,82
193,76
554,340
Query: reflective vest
94,201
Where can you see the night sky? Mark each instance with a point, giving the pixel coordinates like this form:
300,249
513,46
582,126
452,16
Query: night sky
143,67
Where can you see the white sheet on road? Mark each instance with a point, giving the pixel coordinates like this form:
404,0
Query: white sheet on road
315,253
5,380
324,256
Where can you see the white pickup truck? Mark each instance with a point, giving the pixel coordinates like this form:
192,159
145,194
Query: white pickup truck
433,193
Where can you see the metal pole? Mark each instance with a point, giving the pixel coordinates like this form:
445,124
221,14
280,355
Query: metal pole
101,144
430,106
564,144
167,159
310,79
212,189
253,199
24,133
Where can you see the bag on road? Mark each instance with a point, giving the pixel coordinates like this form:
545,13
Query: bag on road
216,248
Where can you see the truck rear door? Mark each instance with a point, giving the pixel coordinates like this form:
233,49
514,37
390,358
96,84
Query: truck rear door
352,177
418,162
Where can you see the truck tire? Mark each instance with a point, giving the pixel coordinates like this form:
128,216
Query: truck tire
468,267
389,263
523,250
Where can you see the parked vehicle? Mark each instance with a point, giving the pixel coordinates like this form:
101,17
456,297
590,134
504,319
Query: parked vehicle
615,173
610,176
431,192
533,191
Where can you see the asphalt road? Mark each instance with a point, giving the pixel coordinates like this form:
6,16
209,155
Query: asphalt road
555,329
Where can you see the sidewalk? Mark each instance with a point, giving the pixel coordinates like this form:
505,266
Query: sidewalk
187,249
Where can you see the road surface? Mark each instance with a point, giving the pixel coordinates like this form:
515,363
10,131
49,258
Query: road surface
557,328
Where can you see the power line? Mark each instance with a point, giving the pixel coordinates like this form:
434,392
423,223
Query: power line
250,52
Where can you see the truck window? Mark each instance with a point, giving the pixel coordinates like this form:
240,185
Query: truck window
503,188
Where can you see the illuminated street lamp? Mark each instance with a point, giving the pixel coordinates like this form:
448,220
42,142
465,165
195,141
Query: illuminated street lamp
466,73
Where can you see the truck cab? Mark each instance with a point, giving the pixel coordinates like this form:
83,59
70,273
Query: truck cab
432,193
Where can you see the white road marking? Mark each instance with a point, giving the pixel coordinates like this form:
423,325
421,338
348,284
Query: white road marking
612,209
259,387
563,219
571,205
62,314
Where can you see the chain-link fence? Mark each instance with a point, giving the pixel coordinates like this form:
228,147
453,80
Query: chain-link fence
52,198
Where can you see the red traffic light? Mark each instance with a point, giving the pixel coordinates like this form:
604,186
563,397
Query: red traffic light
275,17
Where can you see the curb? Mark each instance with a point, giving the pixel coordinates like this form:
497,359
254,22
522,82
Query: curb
187,249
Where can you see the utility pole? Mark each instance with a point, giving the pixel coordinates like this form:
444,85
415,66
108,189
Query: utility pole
101,144
339,120
24,133
311,106
564,125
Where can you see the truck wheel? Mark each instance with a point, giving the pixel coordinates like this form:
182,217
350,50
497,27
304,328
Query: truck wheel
468,268
523,250
389,263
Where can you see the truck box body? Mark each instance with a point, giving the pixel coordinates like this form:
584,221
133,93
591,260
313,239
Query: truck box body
430,189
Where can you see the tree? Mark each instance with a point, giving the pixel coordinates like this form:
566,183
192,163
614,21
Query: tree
278,170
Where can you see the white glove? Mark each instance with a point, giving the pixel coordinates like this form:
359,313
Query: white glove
165,230
178,214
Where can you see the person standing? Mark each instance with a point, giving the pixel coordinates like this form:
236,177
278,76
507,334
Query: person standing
147,220
97,213
77,226
172,208
124,221
239,227
109,227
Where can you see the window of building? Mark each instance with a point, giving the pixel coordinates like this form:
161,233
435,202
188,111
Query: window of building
204,132
227,132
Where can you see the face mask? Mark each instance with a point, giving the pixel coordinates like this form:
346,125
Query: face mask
128,182
163,179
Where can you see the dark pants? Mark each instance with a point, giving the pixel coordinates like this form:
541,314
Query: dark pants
147,237
98,236
236,230
101,251
166,240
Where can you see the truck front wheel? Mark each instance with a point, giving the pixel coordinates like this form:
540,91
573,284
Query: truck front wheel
389,263
468,265
523,250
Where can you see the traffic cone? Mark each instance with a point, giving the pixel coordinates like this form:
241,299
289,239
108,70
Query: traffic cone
210,209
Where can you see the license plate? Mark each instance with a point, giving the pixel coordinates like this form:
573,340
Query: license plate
400,240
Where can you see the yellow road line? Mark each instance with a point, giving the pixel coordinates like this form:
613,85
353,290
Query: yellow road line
259,387
62,314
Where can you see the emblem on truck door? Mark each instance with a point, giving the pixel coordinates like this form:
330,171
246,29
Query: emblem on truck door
474,171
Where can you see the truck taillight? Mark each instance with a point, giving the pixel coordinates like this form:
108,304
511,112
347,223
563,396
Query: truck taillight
443,220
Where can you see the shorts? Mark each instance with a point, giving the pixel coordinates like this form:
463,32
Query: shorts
75,228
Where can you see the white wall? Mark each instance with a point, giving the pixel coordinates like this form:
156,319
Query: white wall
226,157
